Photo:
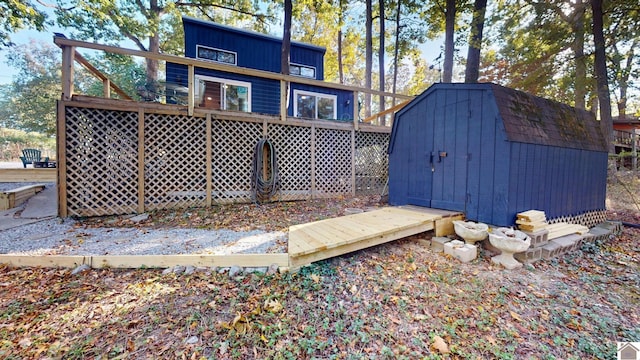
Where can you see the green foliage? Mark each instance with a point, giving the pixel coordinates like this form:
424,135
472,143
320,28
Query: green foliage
29,103
13,141
16,15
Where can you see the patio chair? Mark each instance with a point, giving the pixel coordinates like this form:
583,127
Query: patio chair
30,156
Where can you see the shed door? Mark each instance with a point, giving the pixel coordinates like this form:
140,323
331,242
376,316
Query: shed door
449,156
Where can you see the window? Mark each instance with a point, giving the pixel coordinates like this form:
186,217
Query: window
223,94
223,56
302,70
314,105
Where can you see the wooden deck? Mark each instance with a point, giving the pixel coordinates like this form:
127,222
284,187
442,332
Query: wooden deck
29,175
333,237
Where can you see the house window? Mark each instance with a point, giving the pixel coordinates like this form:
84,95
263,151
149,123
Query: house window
302,70
314,105
218,55
222,94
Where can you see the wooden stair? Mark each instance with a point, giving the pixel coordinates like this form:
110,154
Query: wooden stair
333,237
12,198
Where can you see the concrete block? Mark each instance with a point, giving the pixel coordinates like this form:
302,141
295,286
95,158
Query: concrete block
437,243
530,256
451,246
465,253
599,233
538,238
588,238
551,250
568,243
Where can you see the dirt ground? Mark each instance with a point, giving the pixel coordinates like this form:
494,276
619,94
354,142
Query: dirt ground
395,301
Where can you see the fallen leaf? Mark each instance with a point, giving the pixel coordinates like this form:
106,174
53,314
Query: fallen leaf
515,316
440,345
273,306
315,278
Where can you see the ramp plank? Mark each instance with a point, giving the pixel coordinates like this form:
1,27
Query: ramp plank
332,237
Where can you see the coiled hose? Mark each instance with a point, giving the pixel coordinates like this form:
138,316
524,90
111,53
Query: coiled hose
265,179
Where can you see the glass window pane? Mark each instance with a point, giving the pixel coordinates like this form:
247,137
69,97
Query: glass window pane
237,97
307,72
226,57
294,70
325,108
306,106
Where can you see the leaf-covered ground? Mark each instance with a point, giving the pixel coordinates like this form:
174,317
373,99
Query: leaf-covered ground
398,300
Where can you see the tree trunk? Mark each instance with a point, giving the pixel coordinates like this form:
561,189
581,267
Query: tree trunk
154,47
368,57
383,120
472,71
450,20
396,50
578,52
286,38
340,71
601,72
624,80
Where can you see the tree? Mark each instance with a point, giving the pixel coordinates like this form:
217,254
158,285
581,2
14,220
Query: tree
472,71
148,25
16,15
381,51
286,38
450,21
601,68
30,100
368,56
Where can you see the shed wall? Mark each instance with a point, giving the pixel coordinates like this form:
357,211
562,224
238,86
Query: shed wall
560,181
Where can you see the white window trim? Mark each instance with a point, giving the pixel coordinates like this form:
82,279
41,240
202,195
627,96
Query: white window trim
315,71
317,95
223,101
235,55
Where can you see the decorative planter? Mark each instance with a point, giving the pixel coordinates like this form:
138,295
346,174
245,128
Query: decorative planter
509,242
471,232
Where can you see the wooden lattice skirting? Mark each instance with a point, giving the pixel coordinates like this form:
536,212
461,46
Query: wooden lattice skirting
588,219
120,157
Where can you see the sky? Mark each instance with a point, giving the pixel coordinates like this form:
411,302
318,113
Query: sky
430,50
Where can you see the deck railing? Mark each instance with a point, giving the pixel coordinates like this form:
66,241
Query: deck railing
70,55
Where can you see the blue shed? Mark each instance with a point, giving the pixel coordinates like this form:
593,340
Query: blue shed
493,152
214,42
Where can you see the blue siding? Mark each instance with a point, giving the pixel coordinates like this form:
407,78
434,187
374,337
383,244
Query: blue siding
254,51
493,178
567,181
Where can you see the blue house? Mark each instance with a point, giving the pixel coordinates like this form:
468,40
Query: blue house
493,152
222,90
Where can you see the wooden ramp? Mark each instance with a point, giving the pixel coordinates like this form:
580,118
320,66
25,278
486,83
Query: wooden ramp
333,237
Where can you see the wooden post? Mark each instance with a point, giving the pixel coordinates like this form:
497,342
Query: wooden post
67,71
141,179
634,149
313,160
61,142
191,83
353,162
209,160
283,100
355,110
106,88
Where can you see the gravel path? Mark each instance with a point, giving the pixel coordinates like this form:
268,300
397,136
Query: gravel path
50,237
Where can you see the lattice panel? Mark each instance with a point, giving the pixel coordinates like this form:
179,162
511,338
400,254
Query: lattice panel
233,147
588,219
102,161
333,162
372,162
293,146
174,161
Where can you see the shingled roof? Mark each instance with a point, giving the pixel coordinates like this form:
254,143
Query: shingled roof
535,120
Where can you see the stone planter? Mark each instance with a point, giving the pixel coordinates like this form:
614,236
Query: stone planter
471,232
509,242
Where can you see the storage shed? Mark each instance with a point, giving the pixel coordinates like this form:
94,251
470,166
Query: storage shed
492,152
